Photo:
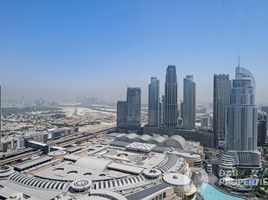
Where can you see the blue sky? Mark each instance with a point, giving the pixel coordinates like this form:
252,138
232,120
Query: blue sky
61,49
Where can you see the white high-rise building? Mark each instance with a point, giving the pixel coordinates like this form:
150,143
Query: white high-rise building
241,116
241,121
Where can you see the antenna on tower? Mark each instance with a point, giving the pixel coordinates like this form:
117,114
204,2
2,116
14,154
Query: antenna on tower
237,69
238,61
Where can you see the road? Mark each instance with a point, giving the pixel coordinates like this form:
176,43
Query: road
17,156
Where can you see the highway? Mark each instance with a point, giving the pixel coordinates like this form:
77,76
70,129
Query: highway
71,139
16,156
15,153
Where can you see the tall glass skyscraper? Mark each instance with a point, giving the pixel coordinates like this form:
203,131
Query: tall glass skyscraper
189,102
221,99
262,128
162,110
153,103
171,96
133,108
121,116
241,121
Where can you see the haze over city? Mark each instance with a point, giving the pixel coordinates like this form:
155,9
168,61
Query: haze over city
133,100
61,49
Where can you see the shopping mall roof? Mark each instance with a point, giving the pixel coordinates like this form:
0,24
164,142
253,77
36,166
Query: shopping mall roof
125,168
32,163
177,179
138,146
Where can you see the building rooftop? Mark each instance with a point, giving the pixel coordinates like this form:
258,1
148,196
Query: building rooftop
125,168
177,179
31,163
104,168
147,192
138,146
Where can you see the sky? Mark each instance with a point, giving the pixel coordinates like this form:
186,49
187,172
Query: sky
59,49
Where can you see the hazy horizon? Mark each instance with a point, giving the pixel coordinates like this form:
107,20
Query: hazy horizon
59,50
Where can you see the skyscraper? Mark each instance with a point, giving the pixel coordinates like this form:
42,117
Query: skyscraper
241,120
133,108
153,103
189,102
121,116
221,99
241,124
162,108
262,128
129,112
181,109
171,95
